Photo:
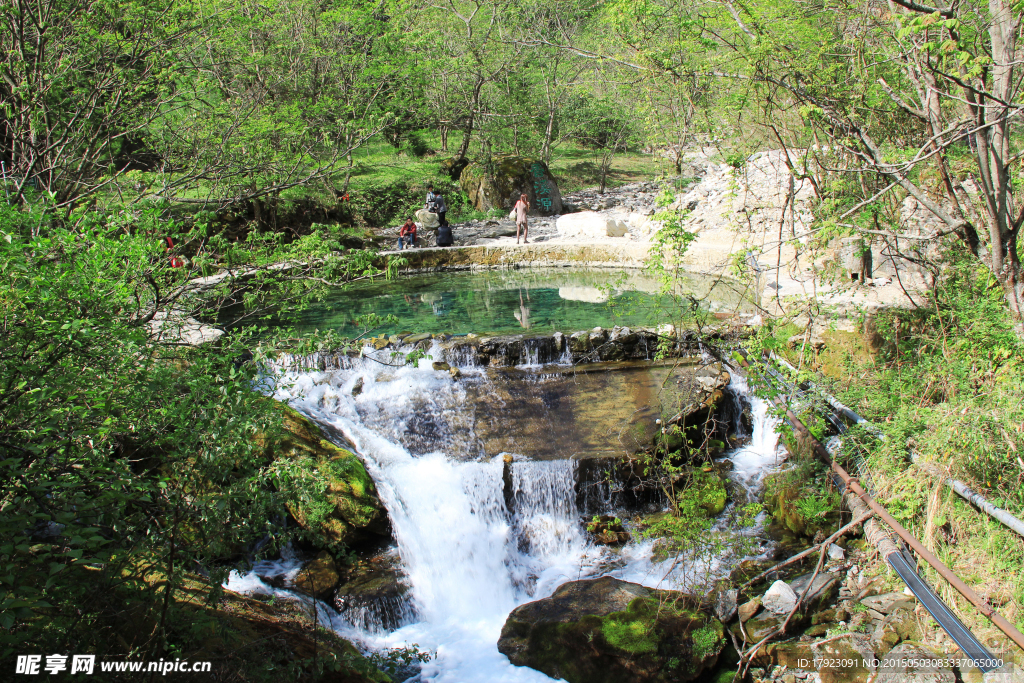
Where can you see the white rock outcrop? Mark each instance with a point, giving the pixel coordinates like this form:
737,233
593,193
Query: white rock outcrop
426,219
590,224
178,328
780,598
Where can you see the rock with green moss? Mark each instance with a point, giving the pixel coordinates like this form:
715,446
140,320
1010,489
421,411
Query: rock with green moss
375,594
707,486
797,510
326,488
611,631
498,184
318,577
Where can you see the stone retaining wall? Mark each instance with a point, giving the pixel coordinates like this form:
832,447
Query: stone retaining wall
525,256
586,346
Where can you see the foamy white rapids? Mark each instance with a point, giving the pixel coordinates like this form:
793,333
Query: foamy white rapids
752,461
473,544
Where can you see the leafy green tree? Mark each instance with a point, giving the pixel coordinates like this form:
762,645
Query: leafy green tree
80,82
129,460
277,96
886,100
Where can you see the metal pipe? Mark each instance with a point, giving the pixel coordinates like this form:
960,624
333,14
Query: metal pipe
945,572
968,494
962,489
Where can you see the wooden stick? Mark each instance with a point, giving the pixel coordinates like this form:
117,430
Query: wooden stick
805,553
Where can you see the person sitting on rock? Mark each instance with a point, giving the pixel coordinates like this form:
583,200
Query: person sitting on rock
521,208
407,233
444,235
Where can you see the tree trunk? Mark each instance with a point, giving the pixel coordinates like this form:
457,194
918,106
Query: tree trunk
474,105
257,212
606,163
545,150
1012,281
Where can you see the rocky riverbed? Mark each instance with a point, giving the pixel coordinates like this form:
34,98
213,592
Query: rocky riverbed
855,623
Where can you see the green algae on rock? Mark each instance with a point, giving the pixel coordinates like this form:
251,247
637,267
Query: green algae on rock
611,631
498,185
326,488
318,577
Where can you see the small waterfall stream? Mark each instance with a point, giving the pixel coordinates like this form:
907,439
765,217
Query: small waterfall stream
471,551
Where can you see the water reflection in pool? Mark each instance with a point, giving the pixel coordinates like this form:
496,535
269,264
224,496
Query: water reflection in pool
506,301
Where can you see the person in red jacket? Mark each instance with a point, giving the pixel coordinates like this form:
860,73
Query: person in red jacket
407,233
175,260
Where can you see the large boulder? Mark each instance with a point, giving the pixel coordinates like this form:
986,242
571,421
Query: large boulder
590,224
426,219
326,488
611,631
509,177
318,577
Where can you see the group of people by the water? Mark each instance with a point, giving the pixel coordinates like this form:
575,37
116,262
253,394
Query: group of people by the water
435,204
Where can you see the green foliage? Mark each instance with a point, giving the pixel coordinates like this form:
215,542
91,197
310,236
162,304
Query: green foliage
945,381
595,523
635,637
395,660
392,202
815,505
950,373
736,159
705,641
125,456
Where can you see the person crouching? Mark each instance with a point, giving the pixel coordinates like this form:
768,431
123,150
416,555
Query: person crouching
408,234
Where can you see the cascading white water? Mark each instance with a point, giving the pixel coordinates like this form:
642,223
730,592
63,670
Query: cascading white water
473,544
752,461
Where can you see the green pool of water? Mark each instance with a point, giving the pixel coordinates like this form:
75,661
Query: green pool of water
503,302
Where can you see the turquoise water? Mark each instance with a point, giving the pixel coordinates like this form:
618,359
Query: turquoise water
502,302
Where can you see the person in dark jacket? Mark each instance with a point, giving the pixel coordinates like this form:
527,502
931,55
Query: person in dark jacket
435,204
444,235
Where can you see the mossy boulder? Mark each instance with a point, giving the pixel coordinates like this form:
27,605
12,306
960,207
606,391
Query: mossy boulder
318,577
280,635
453,167
326,487
611,631
497,185
250,638
797,510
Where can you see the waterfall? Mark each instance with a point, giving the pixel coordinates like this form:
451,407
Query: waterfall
477,535
752,461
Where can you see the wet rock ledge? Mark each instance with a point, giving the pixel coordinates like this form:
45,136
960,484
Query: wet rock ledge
586,346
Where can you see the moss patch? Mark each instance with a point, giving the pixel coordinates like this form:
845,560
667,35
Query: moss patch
799,506
326,488
658,637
